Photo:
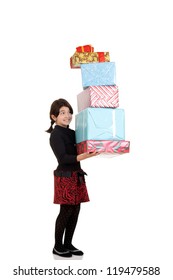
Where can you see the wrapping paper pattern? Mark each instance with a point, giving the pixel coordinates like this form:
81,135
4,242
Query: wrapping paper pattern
88,57
104,146
100,124
98,74
98,97
69,190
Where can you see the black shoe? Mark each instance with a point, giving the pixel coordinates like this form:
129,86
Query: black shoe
64,254
74,250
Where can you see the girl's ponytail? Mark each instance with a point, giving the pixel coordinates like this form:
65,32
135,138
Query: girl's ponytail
51,127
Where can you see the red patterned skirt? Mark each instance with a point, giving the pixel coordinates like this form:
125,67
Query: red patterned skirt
71,189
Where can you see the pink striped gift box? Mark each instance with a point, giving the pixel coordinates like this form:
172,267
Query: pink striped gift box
98,97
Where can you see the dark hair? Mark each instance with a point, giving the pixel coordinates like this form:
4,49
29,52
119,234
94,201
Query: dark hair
55,108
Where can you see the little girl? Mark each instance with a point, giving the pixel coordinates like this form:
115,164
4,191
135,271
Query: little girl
69,181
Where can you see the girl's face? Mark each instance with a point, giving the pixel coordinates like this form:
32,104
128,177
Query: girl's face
64,118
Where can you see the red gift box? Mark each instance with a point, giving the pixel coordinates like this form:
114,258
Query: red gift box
119,147
86,48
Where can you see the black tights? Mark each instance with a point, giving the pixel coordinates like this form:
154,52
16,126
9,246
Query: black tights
65,225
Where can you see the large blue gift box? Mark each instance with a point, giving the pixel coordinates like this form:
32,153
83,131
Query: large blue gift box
100,124
98,74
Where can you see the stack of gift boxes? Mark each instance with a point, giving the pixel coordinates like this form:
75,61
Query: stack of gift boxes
100,123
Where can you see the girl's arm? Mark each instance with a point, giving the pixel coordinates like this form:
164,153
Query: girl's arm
59,150
86,155
58,147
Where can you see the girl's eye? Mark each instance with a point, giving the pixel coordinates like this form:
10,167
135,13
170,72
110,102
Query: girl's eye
62,113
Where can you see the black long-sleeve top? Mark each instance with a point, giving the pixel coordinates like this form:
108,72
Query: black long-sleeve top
63,144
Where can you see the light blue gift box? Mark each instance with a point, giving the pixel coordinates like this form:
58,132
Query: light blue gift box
100,124
98,74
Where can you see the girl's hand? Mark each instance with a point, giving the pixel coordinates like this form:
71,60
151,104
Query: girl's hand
87,155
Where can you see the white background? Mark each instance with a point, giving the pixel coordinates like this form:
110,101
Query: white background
128,221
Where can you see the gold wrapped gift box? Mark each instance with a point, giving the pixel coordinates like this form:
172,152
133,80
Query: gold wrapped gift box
88,57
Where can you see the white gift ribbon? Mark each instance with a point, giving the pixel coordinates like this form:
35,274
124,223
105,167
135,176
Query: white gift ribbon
113,123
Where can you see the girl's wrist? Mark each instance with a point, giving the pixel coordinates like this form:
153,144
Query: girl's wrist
86,155
80,157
